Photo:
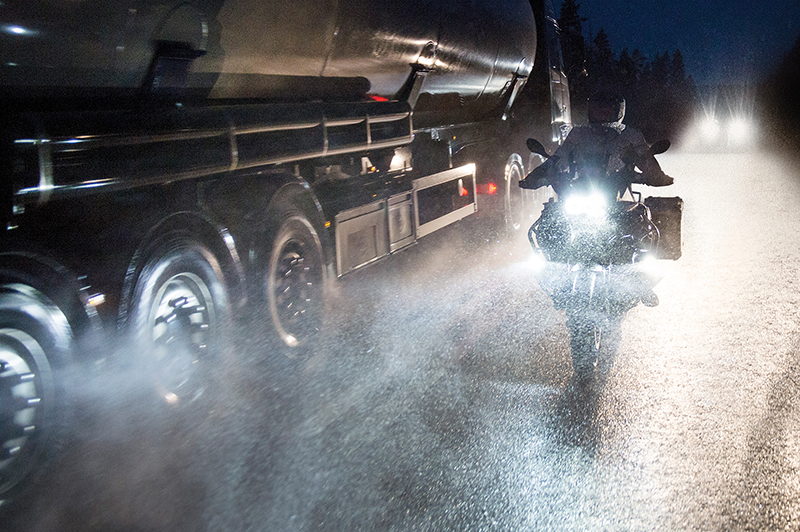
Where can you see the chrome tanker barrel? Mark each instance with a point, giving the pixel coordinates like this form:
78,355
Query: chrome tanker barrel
473,50
281,50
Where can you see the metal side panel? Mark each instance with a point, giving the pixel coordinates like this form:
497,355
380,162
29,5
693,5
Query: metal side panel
444,198
401,221
362,236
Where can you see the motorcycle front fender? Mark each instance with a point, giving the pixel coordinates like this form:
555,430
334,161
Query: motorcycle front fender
589,286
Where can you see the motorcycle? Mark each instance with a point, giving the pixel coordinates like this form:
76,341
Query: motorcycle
597,246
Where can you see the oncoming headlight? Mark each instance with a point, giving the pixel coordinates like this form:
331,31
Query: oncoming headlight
709,129
740,131
593,206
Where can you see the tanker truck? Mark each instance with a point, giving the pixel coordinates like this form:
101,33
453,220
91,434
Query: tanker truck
173,168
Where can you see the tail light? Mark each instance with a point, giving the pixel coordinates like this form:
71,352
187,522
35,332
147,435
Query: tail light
488,188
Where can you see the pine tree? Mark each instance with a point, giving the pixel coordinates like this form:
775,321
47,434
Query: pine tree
570,21
601,64
677,72
573,46
661,70
781,112
625,66
659,94
573,49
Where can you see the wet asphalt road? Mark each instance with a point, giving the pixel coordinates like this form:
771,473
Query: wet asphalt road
442,399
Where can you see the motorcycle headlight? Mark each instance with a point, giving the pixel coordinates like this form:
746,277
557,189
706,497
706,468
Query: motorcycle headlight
650,267
537,261
593,206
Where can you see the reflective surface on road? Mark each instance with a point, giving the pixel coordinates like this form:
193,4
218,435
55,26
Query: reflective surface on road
442,398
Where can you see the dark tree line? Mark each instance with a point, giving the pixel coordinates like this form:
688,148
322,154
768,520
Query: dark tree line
780,104
660,96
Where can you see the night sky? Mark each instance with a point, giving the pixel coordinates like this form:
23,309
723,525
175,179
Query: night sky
722,42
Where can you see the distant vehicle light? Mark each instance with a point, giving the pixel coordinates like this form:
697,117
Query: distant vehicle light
725,119
709,129
740,131
491,188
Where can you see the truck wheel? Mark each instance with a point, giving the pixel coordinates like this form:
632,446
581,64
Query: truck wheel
180,319
294,283
516,201
34,338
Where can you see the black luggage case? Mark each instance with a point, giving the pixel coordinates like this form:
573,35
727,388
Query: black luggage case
666,214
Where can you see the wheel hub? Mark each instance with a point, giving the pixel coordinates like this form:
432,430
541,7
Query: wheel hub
294,292
20,405
181,322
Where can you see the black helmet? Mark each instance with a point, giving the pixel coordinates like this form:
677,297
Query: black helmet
606,106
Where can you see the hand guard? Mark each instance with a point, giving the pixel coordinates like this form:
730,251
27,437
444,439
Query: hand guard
660,181
536,179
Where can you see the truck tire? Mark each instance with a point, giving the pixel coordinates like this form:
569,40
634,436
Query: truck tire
181,319
294,283
521,206
35,339
518,202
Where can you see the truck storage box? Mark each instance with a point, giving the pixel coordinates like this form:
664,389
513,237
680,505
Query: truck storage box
666,214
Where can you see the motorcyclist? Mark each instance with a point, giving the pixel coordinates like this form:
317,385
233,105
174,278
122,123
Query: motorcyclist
605,138
608,142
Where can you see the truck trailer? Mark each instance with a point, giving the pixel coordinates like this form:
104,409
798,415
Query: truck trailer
173,168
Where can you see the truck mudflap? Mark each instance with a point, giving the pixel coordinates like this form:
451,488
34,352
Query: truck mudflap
370,232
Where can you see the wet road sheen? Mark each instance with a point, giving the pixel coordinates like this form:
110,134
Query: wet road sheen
441,399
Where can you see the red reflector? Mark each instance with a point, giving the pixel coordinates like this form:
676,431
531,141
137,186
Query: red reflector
491,188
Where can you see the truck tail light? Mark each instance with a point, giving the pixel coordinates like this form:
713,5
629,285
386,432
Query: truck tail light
488,188
462,191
